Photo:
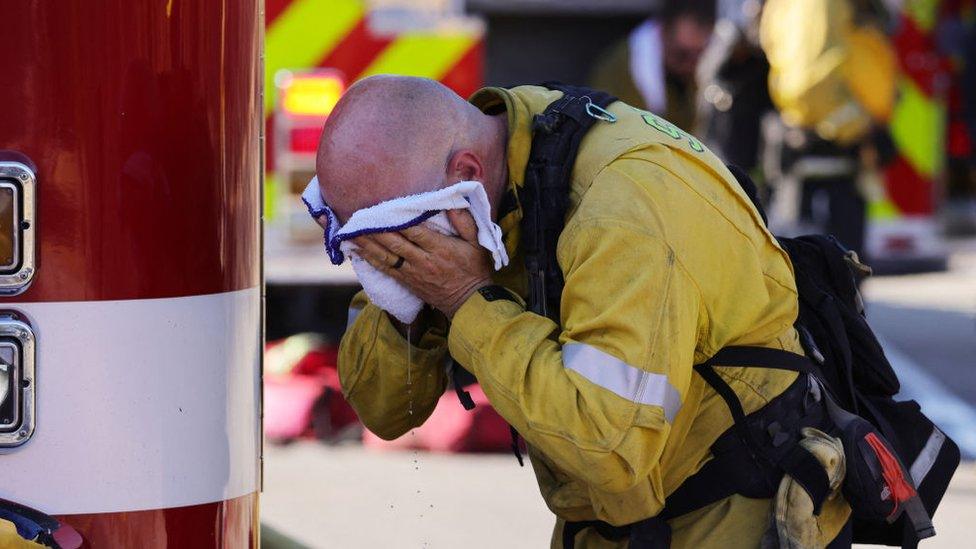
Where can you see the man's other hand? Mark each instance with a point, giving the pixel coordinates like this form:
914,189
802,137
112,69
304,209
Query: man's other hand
441,270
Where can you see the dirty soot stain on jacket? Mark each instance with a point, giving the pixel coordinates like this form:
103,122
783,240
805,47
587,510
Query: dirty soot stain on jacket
666,262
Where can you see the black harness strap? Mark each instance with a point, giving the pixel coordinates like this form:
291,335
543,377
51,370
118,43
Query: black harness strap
556,137
652,533
750,189
557,134
463,396
606,531
749,459
741,356
800,464
516,449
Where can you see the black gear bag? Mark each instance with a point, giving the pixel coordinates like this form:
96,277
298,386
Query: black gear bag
890,445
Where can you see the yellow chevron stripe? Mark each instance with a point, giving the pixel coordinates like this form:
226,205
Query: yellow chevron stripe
918,129
923,12
304,34
882,210
419,54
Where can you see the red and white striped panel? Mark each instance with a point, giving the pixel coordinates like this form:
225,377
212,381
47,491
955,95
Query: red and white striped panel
143,119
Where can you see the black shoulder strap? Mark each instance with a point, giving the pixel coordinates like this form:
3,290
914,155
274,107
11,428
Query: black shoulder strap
749,186
557,134
556,137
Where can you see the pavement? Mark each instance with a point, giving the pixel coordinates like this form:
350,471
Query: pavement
348,497
344,496
928,326
319,496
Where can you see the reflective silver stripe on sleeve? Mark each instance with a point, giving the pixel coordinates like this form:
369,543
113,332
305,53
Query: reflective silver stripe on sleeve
926,458
617,376
353,314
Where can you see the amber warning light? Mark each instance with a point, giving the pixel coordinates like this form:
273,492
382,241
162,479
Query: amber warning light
314,94
305,100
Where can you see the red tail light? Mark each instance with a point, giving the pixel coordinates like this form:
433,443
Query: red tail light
304,140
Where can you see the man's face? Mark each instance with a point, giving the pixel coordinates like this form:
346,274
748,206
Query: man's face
684,41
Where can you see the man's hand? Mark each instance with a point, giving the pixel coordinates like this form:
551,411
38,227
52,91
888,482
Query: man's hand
441,270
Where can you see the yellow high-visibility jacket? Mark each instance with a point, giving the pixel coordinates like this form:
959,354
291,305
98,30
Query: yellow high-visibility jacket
665,261
826,73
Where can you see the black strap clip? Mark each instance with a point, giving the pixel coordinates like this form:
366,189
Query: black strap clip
463,396
515,446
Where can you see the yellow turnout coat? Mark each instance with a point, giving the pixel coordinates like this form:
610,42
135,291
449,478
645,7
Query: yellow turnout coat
665,261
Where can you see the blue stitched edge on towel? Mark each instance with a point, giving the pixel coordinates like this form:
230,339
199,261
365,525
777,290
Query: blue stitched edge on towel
395,228
337,240
331,226
333,241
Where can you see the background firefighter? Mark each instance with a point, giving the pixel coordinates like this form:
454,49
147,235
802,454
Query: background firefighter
832,78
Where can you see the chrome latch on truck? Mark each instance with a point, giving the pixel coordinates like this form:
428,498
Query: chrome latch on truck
17,381
17,227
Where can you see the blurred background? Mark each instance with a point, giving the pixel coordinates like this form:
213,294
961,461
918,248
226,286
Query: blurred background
857,119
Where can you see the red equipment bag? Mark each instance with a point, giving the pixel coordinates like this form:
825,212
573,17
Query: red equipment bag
302,395
453,429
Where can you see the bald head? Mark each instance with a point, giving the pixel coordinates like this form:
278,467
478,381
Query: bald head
390,136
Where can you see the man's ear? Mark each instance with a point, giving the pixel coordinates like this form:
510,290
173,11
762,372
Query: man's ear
464,165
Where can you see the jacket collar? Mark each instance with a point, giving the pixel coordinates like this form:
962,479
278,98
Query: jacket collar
520,105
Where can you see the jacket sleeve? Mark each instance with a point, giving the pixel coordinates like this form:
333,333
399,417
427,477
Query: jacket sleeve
597,397
392,385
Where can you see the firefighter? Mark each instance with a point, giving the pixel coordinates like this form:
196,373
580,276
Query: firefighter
654,67
832,78
733,93
665,262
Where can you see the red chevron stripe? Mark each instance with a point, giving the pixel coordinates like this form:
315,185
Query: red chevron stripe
919,58
274,8
356,50
910,192
467,75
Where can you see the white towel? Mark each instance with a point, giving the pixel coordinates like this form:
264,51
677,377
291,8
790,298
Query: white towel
398,214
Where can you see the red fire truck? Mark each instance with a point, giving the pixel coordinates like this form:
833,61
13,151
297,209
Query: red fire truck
130,317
